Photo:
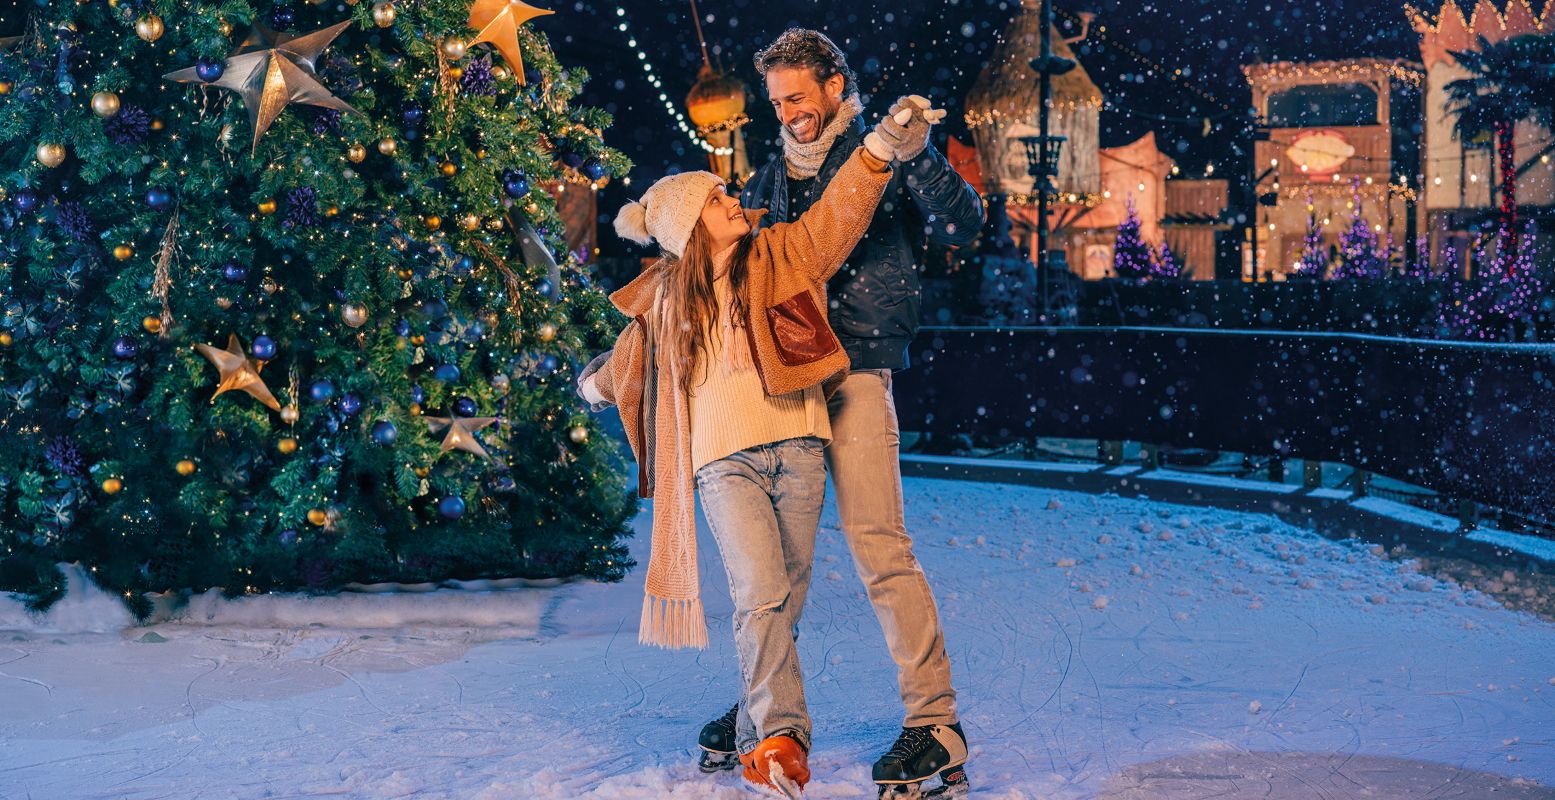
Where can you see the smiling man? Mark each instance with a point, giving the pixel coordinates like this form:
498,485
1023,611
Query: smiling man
874,308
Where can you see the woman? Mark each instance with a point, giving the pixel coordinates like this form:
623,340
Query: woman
719,381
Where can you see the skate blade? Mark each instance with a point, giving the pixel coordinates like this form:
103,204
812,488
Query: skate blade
953,786
777,780
715,761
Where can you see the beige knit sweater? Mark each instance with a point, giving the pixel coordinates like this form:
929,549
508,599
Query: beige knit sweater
785,259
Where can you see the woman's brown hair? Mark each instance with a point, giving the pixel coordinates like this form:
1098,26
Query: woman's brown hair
690,305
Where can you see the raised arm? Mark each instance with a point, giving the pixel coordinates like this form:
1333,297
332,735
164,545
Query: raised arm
607,376
820,240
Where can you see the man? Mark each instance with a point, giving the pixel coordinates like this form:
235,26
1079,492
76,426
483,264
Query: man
874,308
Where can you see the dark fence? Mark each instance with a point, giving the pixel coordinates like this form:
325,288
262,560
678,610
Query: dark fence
1474,421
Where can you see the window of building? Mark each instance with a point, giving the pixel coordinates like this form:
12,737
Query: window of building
1323,105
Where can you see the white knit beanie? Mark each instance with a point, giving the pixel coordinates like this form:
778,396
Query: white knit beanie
668,211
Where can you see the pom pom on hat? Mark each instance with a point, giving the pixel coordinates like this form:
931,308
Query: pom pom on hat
632,223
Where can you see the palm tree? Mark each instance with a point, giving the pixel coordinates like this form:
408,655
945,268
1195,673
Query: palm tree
1509,81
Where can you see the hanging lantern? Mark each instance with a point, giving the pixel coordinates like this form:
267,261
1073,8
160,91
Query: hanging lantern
716,105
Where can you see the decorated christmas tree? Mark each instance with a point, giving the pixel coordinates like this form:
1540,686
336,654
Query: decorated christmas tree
288,303
1505,304
1313,264
1166,265
1361,254
1131,256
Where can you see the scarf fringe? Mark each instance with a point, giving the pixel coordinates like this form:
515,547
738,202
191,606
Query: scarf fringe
672,624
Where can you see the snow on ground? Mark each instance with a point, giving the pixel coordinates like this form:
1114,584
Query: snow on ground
1103,647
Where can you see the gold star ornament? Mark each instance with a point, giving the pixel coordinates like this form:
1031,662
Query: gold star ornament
497,24
461,433
272,70
238,372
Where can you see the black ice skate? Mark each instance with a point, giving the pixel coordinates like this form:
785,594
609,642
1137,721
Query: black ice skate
919,754
717,742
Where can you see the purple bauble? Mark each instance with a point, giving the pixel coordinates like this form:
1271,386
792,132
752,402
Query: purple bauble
447,373
572,159
402,327
350,404
234,272
158,198
321,391
210,69
126,347
594,169
465,407
418,394
288,536
283,17
26,202
413,116
451,507
515,184
262,348
385,432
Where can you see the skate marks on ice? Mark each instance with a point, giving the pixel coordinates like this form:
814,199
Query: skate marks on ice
1241,775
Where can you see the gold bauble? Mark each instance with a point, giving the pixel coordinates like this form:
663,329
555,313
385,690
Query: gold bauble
422,472
149,27
356,153
494,224
185,467
405,273
267,207
499,72
287,446
5,87
332,211
383,14
353,314
152,323
123,252
157,124
387,146
317,517
454,73
6,339
415,409
269,286
290,415
532,209
224,303
448,168
105,104
50,154
578,434
547,331
112,485
454,47
432,221
417,339
226,28
470,222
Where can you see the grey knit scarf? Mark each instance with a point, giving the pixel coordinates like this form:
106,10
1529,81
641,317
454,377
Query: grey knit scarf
805,159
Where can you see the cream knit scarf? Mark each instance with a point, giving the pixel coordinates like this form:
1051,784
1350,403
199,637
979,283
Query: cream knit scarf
805,159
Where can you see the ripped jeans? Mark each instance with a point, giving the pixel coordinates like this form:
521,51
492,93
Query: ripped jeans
763,504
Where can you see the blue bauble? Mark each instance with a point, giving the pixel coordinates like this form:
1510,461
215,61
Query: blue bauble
321,391
531,76
543,286
572,159
385,433
418,394
126,347
594,169
262,348
434,309
159,198
210,69
234,272
447,373
283,18
451,507
288,536
464,264
26,202
465,407
402,328
413,116
350,404
515,184
548,365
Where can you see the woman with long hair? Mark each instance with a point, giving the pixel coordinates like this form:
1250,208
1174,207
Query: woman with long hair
719,381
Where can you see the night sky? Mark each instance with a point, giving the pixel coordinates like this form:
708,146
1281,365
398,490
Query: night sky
938,48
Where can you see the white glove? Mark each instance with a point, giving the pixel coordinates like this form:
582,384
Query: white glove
905,128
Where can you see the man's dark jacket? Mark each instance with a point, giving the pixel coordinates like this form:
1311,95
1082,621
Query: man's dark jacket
875,297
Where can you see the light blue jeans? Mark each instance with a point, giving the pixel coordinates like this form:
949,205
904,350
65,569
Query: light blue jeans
763,504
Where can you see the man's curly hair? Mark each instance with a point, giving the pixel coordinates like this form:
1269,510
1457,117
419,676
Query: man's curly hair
799,47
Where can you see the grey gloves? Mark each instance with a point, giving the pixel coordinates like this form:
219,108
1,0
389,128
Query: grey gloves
904,130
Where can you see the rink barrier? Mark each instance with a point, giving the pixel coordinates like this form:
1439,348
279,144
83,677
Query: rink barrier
1470,421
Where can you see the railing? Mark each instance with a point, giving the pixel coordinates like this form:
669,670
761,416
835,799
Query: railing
1471,421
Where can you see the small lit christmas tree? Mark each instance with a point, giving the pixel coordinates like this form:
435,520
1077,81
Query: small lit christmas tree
1503,306
1361,254
1131,256
1313,264
1167,266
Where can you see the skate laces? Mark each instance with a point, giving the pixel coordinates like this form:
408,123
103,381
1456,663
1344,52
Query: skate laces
912,742
727,720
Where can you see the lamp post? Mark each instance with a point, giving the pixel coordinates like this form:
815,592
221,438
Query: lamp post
1042,150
